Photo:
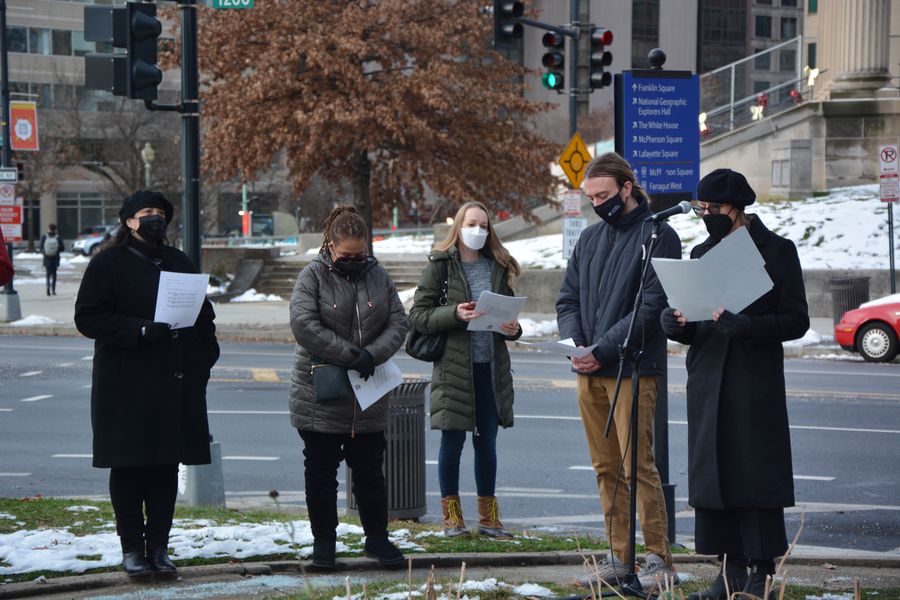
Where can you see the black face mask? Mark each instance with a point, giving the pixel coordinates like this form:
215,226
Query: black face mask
718,225
152,228
351,267
611,210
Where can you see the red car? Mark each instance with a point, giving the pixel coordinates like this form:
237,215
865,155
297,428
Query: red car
872,329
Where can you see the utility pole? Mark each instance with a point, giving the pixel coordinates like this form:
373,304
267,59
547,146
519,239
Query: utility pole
190,133
10,309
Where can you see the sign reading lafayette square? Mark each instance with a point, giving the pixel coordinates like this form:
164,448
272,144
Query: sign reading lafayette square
657,132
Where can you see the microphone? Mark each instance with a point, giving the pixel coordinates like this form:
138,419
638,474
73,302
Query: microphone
681,208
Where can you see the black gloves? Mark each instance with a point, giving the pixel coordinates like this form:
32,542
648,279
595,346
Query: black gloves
364,364
669,323
732,325
152,332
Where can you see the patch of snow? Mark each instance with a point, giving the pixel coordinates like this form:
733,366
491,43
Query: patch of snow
532,589
532,328
7,516
810,338
845,596
83,509
252,295
34,320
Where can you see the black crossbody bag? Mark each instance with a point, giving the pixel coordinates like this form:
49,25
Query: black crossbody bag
429,347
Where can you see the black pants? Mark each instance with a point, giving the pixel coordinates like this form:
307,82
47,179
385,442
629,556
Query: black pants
133,489
364,454
51,276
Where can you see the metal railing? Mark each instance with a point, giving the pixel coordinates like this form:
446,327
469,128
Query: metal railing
728,97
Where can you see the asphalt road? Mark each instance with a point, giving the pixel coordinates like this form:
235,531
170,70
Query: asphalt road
845,433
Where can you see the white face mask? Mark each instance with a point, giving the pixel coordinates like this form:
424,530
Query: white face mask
473,237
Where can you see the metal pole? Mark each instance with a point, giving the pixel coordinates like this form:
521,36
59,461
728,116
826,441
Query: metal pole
573,69
731,101
190,133
891,246
4,119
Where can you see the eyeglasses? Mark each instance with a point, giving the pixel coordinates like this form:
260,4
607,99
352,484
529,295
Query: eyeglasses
701,208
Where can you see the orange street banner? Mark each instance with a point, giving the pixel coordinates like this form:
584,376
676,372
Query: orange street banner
23,126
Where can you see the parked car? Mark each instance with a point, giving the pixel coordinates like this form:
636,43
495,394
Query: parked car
872,329
91,238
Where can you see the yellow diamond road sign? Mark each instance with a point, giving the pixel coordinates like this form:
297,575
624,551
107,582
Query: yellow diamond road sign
574,159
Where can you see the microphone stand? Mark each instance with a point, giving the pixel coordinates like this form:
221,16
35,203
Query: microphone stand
630,585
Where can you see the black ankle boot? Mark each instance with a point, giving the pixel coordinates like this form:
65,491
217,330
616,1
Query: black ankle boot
737,578
160,563
135,564
756,582
323,554
384,551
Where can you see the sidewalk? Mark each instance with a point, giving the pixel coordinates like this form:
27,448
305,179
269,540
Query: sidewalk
243,580
269,321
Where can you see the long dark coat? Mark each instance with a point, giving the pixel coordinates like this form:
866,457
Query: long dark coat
148,400
330,315
452,390
739,445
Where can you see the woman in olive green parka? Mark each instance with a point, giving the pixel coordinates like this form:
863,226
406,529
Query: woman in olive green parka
471,384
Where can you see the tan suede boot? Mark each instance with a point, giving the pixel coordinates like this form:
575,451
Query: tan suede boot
454,526
489,518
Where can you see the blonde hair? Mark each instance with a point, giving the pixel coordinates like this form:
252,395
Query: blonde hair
493,243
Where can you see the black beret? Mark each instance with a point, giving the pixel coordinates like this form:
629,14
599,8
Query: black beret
724,186
145,199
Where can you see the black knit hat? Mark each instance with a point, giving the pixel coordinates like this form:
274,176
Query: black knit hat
145,199
724,186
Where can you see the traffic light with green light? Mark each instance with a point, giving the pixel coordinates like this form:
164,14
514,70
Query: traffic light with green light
554,60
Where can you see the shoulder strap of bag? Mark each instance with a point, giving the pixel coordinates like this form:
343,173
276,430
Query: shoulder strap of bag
442,301
156,262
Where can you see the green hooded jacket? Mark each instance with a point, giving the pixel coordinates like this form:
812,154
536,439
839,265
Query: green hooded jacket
452,390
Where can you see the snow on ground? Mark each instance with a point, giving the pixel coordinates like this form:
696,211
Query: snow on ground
26,551
33,320
252,295
532,328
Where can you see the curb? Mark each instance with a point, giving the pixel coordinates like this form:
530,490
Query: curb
77,583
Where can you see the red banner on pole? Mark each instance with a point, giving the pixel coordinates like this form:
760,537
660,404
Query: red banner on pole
23,126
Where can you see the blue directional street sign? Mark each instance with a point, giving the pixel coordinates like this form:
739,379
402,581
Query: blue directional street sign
658,133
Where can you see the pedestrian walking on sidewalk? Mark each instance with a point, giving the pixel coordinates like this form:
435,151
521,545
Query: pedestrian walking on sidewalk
740,477
595,306
345,315
6,268
148,397
51,247
471,383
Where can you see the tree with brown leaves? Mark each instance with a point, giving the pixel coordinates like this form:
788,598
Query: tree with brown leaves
389,95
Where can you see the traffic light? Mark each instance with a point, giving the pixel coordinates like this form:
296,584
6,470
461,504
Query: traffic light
554,60
135,28
600,57
506,27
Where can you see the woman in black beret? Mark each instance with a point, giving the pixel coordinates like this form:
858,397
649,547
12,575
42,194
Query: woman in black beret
148,398
740,477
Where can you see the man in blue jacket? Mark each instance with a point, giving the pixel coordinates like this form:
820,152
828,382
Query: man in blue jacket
594,307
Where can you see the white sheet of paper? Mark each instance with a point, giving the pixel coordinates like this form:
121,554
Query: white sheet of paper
497,309
180,298
387,376
563,347
731,275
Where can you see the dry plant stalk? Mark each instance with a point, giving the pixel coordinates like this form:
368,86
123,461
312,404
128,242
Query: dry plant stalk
429,586
409,579
783,584
462,575
857,592
347,585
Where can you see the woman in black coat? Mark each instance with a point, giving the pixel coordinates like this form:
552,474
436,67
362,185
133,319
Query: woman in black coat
740,477
148,398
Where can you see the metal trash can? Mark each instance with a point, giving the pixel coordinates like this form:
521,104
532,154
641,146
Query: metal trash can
404,457
847,293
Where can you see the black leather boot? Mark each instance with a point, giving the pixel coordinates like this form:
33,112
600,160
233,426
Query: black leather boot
135,564
756,582
736,571
384,551
323,554
160,563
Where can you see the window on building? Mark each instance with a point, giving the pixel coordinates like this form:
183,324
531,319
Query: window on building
811,55
787,60
80,46
17,39
761,86
789,3
812,6
75,211
763,26
62,42
644,31
788,28
762,61
765,2
38,40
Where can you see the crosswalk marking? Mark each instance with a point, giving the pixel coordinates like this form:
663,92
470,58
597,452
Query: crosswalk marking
36,398
30,373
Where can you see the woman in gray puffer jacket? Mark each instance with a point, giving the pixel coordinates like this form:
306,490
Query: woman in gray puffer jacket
345,311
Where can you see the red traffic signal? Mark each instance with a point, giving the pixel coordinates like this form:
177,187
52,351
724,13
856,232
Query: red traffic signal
600,58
